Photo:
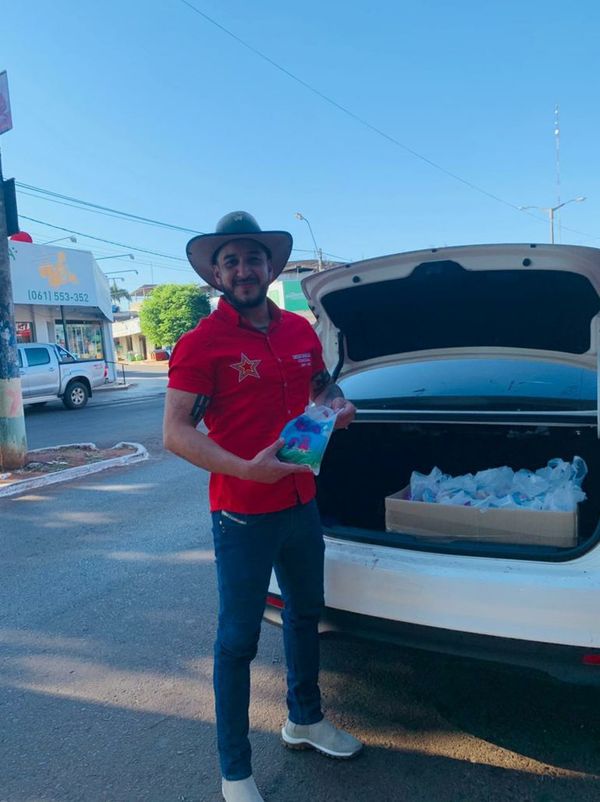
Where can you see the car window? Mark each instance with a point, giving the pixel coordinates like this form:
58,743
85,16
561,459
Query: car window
37,356
20,356
473,384
64,355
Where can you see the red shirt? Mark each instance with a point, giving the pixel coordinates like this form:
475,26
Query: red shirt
256,383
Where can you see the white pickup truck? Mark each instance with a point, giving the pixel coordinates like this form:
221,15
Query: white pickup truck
49,372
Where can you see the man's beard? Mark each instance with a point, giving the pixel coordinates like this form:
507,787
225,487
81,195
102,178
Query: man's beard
251,303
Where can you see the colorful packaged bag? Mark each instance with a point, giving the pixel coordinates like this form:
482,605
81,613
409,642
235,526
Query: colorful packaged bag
306,437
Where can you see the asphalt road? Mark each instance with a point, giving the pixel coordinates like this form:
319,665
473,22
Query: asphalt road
107,617
134,414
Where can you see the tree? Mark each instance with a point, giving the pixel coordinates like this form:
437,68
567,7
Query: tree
171,310
117,294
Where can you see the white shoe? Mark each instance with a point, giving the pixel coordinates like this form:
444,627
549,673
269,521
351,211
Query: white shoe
240,790
322,736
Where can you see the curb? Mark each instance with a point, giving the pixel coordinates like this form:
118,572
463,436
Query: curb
113,387
139,455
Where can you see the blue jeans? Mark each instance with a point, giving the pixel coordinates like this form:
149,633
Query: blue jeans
247,547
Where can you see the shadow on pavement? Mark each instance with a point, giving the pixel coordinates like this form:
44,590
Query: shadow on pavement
105,694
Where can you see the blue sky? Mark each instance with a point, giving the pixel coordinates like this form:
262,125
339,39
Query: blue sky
148,108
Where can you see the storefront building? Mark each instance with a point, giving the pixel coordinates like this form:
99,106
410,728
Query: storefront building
131,345
130,342
61,296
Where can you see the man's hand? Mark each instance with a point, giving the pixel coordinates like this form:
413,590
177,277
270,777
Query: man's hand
326,392
265,467
346,412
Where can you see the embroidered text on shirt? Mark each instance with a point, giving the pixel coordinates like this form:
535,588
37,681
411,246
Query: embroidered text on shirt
305,360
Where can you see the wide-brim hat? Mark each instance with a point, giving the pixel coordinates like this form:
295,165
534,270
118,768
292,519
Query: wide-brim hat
201,250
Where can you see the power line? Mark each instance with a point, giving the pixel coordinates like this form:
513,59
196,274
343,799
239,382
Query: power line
76,203
362,121
101,239
325,253
348,112
67,200
83,208
124,245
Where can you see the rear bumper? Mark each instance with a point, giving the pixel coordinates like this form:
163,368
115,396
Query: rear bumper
572,664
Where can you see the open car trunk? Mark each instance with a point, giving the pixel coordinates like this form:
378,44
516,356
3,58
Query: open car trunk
374,459
464,358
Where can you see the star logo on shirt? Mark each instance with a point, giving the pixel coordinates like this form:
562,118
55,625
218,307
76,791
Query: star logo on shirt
247,367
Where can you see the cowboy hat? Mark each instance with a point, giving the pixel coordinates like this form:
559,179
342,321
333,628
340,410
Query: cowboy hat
202,250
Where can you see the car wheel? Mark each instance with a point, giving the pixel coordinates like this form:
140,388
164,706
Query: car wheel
76,395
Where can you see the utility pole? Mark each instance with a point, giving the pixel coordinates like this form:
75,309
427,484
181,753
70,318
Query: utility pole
557,168
318,251
13,441
552,211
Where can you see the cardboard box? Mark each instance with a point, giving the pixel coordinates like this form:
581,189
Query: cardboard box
448,522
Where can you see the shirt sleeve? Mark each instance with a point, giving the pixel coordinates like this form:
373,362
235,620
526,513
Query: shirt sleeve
190,368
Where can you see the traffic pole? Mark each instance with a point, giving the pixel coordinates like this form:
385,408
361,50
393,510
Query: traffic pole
13,439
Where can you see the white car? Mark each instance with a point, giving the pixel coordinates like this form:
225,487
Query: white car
49,372
463,358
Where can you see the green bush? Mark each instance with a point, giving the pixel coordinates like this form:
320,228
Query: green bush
171,310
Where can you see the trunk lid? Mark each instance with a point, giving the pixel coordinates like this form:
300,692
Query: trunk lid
530,301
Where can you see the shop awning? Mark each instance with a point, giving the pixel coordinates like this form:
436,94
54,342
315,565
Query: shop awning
49,276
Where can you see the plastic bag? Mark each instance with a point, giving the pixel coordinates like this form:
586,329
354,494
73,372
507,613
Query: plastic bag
555,487
306,437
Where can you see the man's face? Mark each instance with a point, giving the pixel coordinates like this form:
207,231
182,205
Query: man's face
243,273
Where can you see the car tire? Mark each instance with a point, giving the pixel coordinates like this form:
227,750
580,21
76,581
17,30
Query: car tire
76,395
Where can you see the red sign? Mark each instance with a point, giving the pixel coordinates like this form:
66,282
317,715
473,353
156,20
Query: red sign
5,115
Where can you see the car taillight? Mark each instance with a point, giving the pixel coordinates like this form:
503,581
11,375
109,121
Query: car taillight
591,659
275,601
105,371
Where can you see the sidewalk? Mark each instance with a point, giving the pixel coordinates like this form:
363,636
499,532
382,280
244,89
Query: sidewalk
151,372
161,364
114,386
141,379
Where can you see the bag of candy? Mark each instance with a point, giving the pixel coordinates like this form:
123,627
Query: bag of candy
306,437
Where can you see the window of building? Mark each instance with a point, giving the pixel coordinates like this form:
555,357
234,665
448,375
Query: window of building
24,332
84,338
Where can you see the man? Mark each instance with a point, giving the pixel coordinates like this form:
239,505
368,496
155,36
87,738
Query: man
247,369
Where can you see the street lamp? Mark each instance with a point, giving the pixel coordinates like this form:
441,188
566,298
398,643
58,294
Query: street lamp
551,210
112,272
72,238
116,294
116,256
318,252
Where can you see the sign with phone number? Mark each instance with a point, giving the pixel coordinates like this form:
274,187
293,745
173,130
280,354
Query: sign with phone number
53,296
53,276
